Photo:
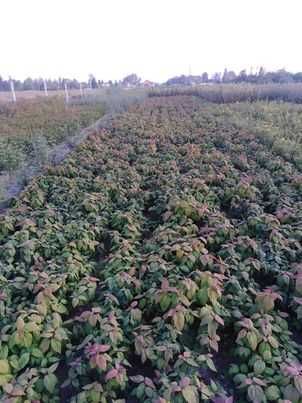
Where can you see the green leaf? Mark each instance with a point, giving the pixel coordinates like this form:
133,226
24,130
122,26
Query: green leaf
298,383
164,302
5,378
60,308
56,345
14,361
252,340
27,339
272,393
44,346
259,367
273,342
190,394
191,362
50,382
37,353
23,360
179,321
211,364
4,367
202,296
140,390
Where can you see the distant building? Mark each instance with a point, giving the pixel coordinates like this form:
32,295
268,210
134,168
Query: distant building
148,84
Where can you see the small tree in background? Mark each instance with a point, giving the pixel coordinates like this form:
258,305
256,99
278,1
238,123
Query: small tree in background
205,77
131,80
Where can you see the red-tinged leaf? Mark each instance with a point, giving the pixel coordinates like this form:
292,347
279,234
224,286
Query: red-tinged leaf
164,284
259,381
273,342
219,399
113,373
175,387
219,320
102,348
17,391
148,382
101,362
137,378
184,382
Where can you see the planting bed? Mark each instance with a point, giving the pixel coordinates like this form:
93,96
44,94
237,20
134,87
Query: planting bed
160,263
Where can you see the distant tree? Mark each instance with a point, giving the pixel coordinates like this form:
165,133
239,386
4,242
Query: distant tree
261,72
261,76
216,78
4,84
205,77
92,81
131,80
28,84
297,77
60,83
228,76
242,77
184,80
283,76
18,85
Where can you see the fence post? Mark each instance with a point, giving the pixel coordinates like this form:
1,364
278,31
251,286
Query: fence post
66,93
45,87
12,88
81,90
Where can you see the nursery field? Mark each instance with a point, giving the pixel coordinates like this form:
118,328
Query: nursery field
32,126
161,262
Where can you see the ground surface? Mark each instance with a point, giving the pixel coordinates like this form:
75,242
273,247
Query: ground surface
160,263
6,96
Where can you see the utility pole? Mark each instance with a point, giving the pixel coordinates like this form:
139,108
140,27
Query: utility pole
45,87
66,93
12,88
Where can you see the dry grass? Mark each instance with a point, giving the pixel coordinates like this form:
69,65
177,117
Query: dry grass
6,96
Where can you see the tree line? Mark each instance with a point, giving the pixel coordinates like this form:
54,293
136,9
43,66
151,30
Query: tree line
229,76
37,84
132,80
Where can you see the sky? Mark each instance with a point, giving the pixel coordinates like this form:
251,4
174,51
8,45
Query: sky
156,39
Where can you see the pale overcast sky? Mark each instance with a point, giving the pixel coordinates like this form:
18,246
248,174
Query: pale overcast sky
156,39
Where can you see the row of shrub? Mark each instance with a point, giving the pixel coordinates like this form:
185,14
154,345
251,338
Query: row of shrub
229,93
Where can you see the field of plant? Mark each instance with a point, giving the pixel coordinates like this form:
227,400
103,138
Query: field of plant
225,93
161,262
29,128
